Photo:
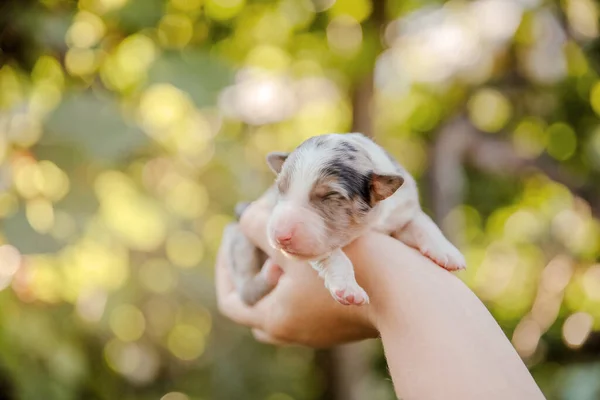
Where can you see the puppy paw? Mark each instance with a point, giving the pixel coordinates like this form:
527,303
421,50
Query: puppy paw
446,256
349,294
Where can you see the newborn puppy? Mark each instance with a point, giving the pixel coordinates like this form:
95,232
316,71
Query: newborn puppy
328,192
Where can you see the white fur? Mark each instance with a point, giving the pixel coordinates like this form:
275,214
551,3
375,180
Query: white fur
399,215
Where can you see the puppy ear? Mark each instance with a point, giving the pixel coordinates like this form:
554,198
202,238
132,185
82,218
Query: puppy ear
383,186
276,160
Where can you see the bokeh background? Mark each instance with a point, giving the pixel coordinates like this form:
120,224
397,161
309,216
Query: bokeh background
130,128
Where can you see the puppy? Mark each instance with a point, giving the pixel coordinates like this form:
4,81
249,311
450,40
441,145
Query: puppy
329,191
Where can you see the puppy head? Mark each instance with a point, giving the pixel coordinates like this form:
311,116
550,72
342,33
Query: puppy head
327,188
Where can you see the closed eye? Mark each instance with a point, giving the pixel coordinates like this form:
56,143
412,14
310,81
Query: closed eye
331,195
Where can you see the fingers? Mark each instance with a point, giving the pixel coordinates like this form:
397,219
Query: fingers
223,281
254,225
229,301
271,272
236,310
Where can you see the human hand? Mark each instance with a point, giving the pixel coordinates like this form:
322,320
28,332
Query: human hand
299,310
433,328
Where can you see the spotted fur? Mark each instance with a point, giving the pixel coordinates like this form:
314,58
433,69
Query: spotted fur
330,190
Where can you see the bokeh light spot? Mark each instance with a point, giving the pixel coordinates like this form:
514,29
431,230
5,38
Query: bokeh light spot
186,342
529,138
47,70
184,249
127,67
51,181
25,130
222,10
526,337
40,215
161,313
135,218
136,53
175,30
557,274
591,282
86,31
524,226
196,315
187,5
79,62
43,279
91,264
157,276
357,9
562,141
213,229
10,260
127,322
577,328
137,362
583,17
109,5
91,304
344,35
322,117
44,98
25,172
187,199
269,58
162,105
489,110
175,396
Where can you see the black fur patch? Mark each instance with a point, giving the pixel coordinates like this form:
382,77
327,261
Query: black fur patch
355,183
344,146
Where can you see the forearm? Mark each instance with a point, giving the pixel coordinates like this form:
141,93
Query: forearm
439,339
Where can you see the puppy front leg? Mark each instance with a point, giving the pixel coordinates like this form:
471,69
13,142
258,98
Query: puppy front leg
423,234
338,273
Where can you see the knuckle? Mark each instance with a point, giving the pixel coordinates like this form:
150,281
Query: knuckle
263,337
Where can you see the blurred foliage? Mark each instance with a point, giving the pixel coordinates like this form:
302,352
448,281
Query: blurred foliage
130,128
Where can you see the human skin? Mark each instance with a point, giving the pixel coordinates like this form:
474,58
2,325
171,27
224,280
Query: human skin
439,339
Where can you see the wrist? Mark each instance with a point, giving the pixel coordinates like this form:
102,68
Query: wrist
390,272
372,277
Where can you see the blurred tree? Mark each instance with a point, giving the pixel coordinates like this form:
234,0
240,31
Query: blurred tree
130,128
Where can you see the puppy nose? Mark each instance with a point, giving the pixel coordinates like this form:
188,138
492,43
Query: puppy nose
284,237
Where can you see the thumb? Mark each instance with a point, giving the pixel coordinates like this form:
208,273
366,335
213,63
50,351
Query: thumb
271,272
